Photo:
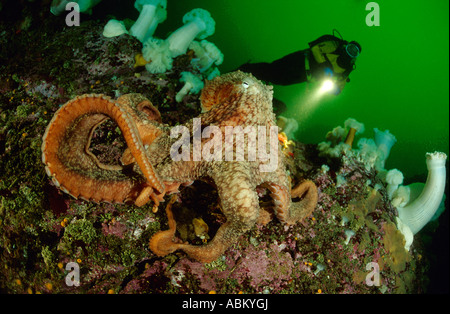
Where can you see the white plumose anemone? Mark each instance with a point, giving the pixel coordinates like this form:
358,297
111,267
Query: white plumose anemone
419,211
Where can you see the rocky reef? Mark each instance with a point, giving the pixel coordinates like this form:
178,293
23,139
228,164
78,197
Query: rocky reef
43,230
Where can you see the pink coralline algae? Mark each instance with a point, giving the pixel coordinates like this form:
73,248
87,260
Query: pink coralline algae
269,267
258,267
116,228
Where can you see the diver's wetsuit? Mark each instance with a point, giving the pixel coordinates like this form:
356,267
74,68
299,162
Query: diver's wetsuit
291,68
285,71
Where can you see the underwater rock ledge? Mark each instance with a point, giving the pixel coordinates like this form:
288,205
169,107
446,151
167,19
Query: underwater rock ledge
42,230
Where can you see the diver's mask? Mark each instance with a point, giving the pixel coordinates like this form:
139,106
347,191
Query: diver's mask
349,52
353,49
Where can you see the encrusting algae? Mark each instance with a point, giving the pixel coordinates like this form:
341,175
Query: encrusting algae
394,243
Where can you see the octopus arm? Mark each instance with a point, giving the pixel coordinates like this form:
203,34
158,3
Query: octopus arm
78,172
239,204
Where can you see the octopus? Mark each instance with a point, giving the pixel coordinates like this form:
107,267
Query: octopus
148,170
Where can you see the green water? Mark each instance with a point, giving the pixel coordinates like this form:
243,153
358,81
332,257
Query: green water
402,76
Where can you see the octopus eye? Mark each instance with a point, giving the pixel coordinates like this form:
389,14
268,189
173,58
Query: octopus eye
245,84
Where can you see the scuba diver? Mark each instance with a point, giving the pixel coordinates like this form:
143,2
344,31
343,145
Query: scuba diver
328,57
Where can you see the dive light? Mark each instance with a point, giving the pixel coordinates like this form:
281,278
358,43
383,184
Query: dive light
328,84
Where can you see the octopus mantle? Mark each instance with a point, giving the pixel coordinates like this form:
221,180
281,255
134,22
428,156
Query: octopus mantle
147,171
